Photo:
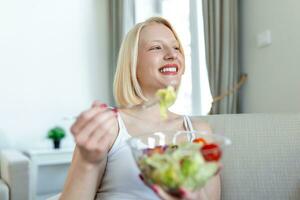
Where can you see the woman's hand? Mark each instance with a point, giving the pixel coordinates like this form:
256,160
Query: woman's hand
94,131
183,194
211,191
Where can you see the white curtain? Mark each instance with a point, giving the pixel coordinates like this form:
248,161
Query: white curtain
122,16
221,42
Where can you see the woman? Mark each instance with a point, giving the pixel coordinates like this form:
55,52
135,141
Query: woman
151,57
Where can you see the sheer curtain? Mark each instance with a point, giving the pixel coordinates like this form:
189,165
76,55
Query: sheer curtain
201,94
122,16
221,41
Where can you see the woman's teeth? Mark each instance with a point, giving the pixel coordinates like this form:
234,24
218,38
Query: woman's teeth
168,69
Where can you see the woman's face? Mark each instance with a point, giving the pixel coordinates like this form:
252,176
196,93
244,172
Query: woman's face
160,62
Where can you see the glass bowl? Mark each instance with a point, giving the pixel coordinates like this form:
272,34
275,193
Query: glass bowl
178,159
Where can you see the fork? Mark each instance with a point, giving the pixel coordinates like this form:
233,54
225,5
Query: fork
145,105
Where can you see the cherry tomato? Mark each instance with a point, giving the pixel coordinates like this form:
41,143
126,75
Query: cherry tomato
211,152
200,141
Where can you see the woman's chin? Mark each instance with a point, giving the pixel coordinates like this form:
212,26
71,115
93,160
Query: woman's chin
171,82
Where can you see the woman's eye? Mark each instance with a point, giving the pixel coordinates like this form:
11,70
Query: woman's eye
155,48
177,48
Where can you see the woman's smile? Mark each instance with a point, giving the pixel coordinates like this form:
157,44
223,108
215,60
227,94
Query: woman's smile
169,69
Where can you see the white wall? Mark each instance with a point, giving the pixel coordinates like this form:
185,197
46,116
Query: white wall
274,83
53,63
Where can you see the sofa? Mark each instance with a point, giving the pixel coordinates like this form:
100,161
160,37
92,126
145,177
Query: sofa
263,161
14,175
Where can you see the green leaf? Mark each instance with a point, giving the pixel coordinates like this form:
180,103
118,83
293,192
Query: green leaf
56,133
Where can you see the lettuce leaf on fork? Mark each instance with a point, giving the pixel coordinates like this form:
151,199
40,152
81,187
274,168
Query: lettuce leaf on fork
167,97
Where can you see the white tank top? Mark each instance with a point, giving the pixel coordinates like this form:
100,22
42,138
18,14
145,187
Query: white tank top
121,178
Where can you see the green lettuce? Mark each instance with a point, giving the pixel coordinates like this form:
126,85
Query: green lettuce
167,97
175,168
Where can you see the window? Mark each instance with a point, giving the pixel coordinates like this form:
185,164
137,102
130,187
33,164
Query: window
194,97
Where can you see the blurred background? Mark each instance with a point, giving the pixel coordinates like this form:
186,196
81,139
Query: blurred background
57,57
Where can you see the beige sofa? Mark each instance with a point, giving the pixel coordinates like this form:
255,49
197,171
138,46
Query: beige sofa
14,175
263,161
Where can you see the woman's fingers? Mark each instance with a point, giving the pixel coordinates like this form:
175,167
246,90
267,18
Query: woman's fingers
98,103
97,122
219,168
182,193
102,132
188,195
104,143
85,117
95,131
158,190
162,194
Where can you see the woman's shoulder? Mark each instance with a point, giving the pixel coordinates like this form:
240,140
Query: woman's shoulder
200,125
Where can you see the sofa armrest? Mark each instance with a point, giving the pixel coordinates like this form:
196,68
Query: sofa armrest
4,192
16,172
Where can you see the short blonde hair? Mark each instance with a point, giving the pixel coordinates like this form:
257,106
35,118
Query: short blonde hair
127,90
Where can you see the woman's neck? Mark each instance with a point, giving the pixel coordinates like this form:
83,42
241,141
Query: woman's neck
138,120
151,114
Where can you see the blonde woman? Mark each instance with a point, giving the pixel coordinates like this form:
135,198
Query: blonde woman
151,57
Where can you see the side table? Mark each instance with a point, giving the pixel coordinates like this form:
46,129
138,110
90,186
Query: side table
49,171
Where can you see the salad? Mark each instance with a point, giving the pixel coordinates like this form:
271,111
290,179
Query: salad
188,165
167,97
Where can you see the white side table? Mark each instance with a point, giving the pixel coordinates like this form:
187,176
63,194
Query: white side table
49,170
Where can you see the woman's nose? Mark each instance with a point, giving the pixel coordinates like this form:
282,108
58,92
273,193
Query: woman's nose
171,54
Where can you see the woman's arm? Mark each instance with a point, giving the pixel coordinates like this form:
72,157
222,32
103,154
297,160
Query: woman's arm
94,131
83,179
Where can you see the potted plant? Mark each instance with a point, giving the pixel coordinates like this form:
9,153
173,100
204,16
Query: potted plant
56,134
